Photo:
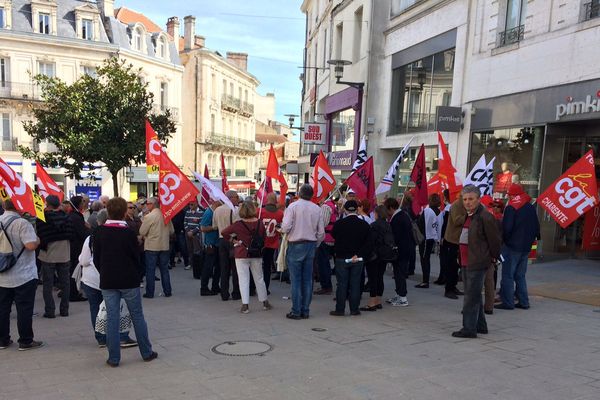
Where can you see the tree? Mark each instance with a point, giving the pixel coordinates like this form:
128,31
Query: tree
96,119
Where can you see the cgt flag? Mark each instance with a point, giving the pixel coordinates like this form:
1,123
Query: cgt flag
323,179
482,176
153,150
46,185
419,177
573,194
362,181
15,188
273,171
175,190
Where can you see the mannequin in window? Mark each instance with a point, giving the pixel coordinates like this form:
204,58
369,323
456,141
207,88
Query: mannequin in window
504,178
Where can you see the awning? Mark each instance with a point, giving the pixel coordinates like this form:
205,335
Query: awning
242,185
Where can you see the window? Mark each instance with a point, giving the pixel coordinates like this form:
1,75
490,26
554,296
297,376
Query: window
3,72
231,93
161,48
339,36
212,123
399,6
2,17
514,26
358,16
44,23
90,71
5,126
325,48
224,87
246,95
136,39
240,93
164,99
87,29
46,68
213,87
592,10
417,89
231,132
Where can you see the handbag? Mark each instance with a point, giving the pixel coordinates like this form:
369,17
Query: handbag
417,234
102,318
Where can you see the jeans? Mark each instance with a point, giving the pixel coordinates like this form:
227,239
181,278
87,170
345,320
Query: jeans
160,258
64,283
180,244
268,258
324,254
24,298
227,265
244,266
425,250
514,269
489,288
473,316
375,271
133,299
348,284
95,298
299,258
451,262
210,269
401,273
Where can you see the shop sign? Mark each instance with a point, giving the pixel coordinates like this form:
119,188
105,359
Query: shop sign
448,119
314,133
338,160
571,107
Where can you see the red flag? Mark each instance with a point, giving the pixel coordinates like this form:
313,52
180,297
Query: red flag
435,185
446,170
419,177
205,197
175,189
573,194
323,179
224,184
47,185
153,150
273,171
18,191
264,189
362,181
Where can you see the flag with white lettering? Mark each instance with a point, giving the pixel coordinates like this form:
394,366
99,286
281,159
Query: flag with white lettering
323,180
482,176
46,185
361,156
573,194
153,150
419,177
362,181
15,188
175,190
386,183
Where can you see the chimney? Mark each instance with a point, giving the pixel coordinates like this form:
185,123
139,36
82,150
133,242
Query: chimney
173,30
107,8
240,60
189,32
199,41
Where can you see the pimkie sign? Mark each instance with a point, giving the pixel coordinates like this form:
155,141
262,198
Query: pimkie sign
571,107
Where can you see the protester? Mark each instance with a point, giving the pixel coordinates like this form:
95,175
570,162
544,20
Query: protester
245,235
85,206
480,243
384,251
352,247
210,269
271,217
453,225
55,255
330,215
364,211
443,221
178,240
520,228
223,217
431,231
191,227
115,249
66,206
401,225
156,235
90,284
303,224
104,200
134,222
80,232
92,219
406,206
19,284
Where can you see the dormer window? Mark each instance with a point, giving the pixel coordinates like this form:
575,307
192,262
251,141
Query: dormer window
161,48
2,18
87,22
87,29
136,38
161,45
43,16
44,23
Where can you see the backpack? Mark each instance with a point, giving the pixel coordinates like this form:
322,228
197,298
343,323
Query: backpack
7,256
257,242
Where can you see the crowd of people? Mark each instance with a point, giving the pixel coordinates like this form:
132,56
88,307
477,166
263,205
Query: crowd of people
107,252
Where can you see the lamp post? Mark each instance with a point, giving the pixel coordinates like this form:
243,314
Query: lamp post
338,71
291,118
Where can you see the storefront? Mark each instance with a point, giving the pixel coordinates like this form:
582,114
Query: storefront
535,136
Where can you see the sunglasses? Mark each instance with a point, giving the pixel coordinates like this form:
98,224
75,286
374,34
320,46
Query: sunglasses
131,208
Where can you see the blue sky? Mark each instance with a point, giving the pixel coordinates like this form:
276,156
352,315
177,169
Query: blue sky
270,31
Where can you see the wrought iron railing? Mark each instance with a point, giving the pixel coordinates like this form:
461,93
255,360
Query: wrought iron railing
230,141
510,36
240,172
247,108
161,108
230,103
19,90
418,122
10,144
591,10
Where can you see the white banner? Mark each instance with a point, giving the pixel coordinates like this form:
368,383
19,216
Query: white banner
482,176
386,183
214,192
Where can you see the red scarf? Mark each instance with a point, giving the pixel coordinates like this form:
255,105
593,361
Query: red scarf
519,201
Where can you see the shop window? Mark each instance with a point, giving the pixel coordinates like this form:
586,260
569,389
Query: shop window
342,135
417,89
518,153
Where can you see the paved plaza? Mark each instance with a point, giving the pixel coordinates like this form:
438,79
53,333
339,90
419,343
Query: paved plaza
551,351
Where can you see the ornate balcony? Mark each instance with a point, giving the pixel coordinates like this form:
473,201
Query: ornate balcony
247,109
159,109
230,103
511,36
216,139
19,90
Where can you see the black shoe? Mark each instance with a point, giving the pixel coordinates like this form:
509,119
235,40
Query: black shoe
48,315
206,292
156,278
451,295
439,282
304,316
76,299
112,364
337,313
458,292
463,334
216,290
5,345
355,312
379,306
30,346
368,308
423,285
482,331
518,305
168,295
147,296
502,306
224,298
64,313
236,297
128,343
293,316
488,312
151,357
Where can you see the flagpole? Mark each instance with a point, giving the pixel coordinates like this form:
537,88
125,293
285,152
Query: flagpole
262,197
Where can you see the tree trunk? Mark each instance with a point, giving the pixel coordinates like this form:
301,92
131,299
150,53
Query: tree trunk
115,179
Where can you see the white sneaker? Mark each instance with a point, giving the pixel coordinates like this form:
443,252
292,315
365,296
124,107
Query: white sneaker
400,302
392,299
187,267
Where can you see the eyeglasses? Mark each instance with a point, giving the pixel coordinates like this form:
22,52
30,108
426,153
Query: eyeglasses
131,208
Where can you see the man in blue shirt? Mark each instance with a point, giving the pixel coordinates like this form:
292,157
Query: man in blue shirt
211,267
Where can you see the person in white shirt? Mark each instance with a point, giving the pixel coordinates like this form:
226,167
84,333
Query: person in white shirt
431,222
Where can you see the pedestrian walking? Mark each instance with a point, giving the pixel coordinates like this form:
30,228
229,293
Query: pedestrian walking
19,284
191,226
115,254
303,223
480,243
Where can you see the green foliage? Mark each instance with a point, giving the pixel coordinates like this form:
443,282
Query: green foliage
95,119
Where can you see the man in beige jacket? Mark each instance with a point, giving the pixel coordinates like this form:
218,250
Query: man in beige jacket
156,234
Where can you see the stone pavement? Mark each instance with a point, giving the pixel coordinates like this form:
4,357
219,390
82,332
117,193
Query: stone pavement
550,352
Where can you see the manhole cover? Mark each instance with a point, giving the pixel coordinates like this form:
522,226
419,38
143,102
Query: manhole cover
319,329
242,348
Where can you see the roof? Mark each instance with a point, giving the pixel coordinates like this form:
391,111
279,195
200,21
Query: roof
270,138
127,16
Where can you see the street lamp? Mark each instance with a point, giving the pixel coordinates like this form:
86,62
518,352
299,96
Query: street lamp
291,118
338,71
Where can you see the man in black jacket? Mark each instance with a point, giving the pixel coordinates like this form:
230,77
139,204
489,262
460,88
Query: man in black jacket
352,247
55,254
401,223
80,232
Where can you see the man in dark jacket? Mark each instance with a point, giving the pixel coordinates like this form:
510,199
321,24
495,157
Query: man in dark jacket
352,248
55,254
479,246
401,223
178,242
80,232
520,228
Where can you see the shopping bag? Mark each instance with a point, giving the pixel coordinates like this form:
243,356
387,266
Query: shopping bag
124,318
